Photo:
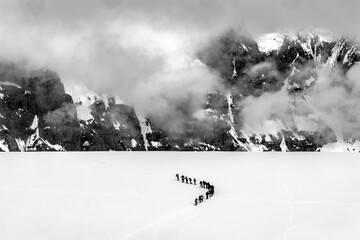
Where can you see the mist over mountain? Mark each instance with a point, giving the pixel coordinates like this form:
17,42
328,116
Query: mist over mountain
281,92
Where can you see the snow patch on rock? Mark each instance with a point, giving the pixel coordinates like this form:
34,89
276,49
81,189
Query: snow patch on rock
35,123
21,144
117,125
6,83
283,146
270,42
133,143
145,129
3,146
156,144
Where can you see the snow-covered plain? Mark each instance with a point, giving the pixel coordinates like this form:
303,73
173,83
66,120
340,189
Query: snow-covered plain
120,196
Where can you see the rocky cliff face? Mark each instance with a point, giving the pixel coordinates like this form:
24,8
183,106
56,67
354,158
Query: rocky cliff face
289,63
37,115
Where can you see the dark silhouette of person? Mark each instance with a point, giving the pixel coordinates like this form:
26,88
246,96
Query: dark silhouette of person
201,183
177,177
196,201
201,198
190,180
211,190
207,194
194,181
182,178
186,179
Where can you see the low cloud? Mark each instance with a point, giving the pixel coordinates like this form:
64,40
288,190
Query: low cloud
334,101
266,68
256,110
62,116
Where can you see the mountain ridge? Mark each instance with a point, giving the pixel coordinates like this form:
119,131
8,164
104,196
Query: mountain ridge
38,115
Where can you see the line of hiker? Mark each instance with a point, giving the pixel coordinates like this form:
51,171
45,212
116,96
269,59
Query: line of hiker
210,192
210,188
186,179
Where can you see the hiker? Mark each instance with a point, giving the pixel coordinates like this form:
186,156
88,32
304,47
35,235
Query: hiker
190,180
201,198
196,201
207,194
211,191
187,180
194,181
177,176
182,178
201,183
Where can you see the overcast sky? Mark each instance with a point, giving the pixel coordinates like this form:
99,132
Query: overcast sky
258,15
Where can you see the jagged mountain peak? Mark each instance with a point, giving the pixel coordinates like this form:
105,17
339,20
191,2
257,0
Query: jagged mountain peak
37,114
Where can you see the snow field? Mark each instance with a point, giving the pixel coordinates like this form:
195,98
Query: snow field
136,196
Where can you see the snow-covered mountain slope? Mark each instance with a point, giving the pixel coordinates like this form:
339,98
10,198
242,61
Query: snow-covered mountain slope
289,62
80,196
273,41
